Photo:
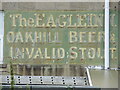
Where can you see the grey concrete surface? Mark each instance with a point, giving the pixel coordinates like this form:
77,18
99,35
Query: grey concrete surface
55,6
104,78
57,0
52,6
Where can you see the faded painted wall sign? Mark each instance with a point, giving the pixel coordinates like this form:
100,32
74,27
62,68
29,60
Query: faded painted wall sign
59,37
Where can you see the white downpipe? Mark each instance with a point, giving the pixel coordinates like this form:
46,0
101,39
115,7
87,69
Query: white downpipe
1,50
107,61
1,35
89,78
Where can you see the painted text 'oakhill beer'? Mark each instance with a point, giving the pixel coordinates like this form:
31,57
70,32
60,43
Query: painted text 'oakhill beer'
60,36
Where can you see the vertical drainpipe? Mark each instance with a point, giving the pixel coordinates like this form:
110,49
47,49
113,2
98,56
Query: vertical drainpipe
1,35
106,51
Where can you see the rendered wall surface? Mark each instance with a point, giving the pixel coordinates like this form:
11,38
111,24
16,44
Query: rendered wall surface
81,6
62,6
56,70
